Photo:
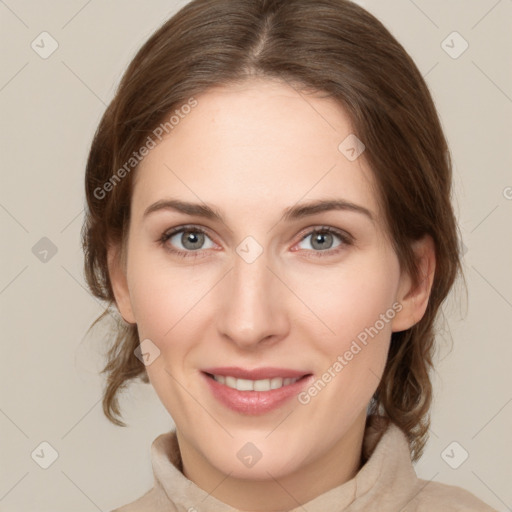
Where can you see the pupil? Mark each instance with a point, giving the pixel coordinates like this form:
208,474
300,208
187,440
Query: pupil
320,239
191,238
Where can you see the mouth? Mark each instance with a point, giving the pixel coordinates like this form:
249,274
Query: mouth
255,385
268,389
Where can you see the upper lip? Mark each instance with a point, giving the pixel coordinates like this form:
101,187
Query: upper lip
256,373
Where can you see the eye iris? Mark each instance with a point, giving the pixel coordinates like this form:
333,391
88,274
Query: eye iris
320,238
193,237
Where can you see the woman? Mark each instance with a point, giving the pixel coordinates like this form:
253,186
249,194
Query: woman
269,210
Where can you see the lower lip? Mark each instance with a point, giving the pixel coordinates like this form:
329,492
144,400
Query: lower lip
255,402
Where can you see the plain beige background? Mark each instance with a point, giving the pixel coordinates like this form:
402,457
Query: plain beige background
50,385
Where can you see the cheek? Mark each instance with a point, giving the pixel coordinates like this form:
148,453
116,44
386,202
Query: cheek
359,310
167,305
363,326
352,298
162,297
164,303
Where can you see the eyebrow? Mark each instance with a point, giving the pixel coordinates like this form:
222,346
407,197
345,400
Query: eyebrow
292,213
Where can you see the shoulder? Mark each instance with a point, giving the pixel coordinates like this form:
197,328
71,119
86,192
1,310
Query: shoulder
436,496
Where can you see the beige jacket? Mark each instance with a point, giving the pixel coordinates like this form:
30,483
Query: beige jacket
386,482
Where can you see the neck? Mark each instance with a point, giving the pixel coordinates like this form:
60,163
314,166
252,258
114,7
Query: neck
329,470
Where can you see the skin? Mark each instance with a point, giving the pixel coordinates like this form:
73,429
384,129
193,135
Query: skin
252,151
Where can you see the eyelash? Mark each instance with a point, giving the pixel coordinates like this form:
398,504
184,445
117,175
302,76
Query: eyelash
345,238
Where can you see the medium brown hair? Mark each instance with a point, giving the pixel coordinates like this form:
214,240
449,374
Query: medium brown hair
331,46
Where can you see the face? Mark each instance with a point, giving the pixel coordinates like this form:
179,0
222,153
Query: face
263,286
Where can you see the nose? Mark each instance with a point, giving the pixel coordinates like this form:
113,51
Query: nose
253,302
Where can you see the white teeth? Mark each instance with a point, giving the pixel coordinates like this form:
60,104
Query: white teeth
242,384
254,385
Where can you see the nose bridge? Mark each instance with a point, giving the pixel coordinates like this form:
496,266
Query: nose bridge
252,306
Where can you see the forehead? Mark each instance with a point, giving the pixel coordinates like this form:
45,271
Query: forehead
258,141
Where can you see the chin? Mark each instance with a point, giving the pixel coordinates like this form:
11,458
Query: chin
256,460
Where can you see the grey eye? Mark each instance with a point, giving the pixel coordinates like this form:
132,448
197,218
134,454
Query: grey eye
321,240
190,239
